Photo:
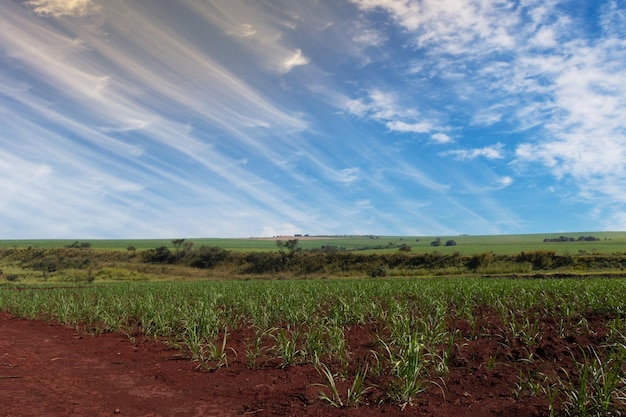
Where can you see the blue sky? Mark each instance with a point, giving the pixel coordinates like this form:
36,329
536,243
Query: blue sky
237,118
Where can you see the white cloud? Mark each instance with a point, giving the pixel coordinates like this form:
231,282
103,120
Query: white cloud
615,220
488,152
369,37
487,118
531,64
441,138
505,181
585,137
544,38
378,105
356,107
385,107
245,30
296,59
398,126
613,19
58,8
348,175
452,26
285,229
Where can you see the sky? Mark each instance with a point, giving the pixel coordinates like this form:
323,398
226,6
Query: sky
126,119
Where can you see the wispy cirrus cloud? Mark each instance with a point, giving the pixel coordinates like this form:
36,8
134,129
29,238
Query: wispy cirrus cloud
262,33
243,118
348,175
132,112
58,8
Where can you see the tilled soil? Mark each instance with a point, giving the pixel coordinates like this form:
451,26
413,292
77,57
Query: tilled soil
52,370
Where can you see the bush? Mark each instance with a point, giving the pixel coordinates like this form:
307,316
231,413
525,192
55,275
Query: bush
540,259
380,271
481,261
266,262
404,248
208,257
160,255
79,245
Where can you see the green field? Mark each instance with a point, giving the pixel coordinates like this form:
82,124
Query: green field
95,261
392,340
390,317
610,242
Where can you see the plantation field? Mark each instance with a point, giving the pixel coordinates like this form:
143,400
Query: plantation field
610,242
362,347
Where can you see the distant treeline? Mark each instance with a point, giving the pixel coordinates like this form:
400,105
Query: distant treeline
291,261
572,239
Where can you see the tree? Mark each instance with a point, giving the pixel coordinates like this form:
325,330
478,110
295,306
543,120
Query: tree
292,245
187,247
177,245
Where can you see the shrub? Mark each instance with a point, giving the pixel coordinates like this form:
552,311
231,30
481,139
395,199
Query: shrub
540,259
404,248
208,257
380,271
79,245
266,262
160,255
481,261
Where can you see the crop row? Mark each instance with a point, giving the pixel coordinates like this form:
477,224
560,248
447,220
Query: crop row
416,330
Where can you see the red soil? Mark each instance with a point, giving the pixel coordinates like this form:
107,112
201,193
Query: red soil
52,370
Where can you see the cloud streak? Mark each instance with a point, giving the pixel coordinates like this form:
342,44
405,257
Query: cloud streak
58,8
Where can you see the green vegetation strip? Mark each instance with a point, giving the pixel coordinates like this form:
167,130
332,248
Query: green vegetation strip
163,308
